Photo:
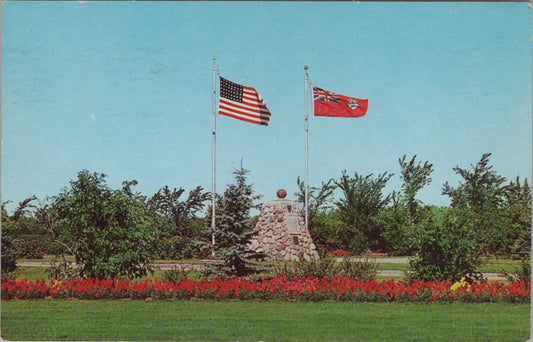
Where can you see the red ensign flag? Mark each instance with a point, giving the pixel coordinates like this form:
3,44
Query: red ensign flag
326,103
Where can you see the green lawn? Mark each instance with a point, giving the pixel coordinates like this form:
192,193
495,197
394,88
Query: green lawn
392,266
266,321
490,265
31,273
34,273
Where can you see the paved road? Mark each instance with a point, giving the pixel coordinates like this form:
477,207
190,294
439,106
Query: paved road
390,273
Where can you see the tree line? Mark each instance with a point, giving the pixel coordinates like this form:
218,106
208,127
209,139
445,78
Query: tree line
119,232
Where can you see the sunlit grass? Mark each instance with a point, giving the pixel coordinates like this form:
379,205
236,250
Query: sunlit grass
261,321
492,265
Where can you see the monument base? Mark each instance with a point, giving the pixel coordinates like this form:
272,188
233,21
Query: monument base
282,232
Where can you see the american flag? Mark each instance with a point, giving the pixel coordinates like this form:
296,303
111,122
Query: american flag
243,103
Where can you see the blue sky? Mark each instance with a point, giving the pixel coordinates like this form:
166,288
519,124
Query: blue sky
125,89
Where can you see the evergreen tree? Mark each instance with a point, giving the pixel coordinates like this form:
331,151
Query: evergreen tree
234,228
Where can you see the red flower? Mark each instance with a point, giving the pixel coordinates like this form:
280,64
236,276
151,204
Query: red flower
306,288
338,253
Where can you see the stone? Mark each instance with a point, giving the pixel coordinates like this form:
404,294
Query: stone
282,233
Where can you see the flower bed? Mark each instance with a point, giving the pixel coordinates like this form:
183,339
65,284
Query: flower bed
339,253
377,253
266,288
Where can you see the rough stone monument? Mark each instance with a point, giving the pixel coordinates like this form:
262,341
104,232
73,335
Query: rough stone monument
282,232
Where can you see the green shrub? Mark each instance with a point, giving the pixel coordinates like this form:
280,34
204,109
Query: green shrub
10,252
178,273
361,270
61,268
108,231
328,267
176,248
446,249
36,245
9,255
324,267
521,273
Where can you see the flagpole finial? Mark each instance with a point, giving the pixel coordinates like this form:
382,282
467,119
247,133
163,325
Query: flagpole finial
306,67
214,58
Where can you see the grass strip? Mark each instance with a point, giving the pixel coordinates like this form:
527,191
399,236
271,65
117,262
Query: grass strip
267,321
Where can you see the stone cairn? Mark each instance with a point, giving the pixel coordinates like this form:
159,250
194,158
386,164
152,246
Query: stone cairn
282,232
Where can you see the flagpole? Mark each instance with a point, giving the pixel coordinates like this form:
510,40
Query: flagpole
213,154
306,85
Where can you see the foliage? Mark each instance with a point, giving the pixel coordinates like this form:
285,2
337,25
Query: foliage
480,197
481,188
446,248
397,234
358,209
500,213
323,225
178,217
520,273
176,248
9,251
400,220
361,270
118,232
318,198
29,247
27,234
180,273
338,253
108,231
324,267
328,231
61,268
517,219
234,229
36,246
415,177
13,246
175,222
